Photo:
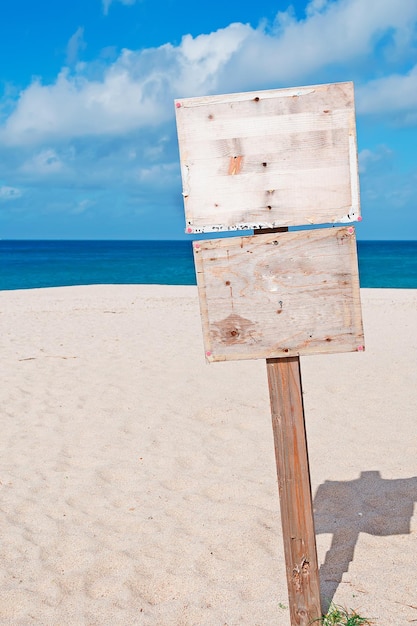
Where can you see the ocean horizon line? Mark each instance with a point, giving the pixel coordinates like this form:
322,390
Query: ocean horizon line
34,263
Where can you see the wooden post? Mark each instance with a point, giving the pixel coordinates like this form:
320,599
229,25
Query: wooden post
285,389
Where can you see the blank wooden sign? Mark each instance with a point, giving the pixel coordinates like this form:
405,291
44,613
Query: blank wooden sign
279,294
268,159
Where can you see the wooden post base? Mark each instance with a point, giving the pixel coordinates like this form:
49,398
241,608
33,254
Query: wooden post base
284,379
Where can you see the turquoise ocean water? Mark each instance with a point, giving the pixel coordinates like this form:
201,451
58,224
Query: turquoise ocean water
30,264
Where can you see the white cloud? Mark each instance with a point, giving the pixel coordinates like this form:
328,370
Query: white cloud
136,91
158,174
82,206
369,160
339,33
395,93
75,106
44,162
107,3
202,59
75,45
317,6
9,193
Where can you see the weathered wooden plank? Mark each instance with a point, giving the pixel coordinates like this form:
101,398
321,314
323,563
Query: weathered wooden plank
290,442
279,294
269,159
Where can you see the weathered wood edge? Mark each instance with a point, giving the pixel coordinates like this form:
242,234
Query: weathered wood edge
249,95
199,271
356,292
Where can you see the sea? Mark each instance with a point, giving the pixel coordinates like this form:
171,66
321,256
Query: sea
37,264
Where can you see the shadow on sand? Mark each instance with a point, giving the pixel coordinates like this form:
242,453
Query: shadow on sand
368,504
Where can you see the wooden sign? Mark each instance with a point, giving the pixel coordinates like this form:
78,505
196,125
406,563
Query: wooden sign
269,159
279,294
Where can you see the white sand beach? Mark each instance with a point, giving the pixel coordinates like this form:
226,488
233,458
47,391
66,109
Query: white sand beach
138,484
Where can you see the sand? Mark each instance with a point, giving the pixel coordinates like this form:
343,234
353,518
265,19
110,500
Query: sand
138,483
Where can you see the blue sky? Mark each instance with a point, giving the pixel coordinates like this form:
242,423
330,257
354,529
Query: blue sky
88,145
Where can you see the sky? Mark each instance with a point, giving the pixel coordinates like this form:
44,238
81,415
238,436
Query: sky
88,141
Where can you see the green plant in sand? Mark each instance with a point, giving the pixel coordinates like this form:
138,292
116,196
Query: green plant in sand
338,616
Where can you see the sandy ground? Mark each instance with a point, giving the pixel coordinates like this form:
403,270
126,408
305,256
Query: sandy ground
138,483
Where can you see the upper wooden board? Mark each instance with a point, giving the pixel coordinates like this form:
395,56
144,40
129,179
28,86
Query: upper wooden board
267,159
279,294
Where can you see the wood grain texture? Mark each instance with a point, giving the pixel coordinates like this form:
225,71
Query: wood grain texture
269,159
279,294
285,389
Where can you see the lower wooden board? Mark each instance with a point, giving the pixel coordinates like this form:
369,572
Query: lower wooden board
279,294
